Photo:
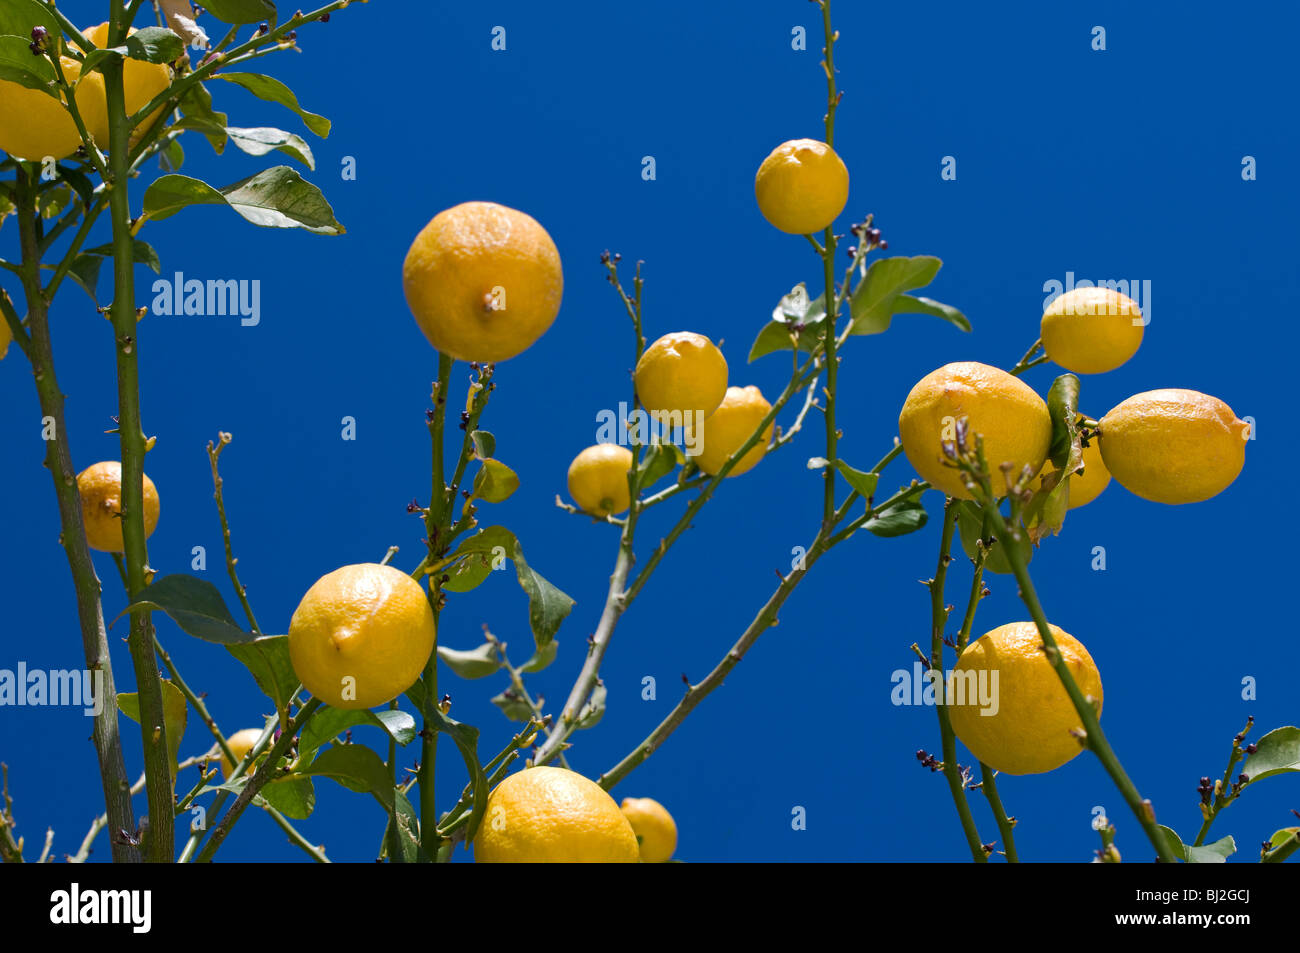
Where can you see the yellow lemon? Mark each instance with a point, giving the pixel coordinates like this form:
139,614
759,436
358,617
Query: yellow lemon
654,827
361,636
141,82
722,433
1008,705
240,743
35,126
681,378
1174,446
1086,484
551,815
1092,330
802,186
100,486
1014,420
483,281
598,479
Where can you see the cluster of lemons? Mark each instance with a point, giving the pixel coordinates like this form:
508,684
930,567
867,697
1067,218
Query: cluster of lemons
36,126
1170,446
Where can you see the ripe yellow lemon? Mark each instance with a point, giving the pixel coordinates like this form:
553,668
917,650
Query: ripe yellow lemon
1174,446
1008,705
727,428
598,479
100,486
1086,485
34,126
483,281
141,82
802,186
361,636
551,815
240,743
681,378
1091,330
654,827
1014,420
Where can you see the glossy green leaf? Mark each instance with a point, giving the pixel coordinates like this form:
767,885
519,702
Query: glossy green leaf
197,113
274,91
543,657
898,520
476,557
1282,845
512,706
275,198
260,140
267,660
466,739
875,300
154,44
485,445
495,482
293,796
594,710
1063,406
357,768
658,461
1278,752
18,65
1215,853
795,318
861,480
195,605
329,723
17,17
408,830
240,11
472,663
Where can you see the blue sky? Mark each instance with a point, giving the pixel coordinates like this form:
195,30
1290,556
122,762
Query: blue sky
1117,164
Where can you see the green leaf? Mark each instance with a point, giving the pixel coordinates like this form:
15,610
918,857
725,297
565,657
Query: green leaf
17,17
175,714
292,796
18,65
485,445
971,527
898,520
1282,845
658,461
795,318
912,304
143,252
274,91
1215,853
408,830
195,605
54,199
275,198
476,557
357,768
260,140
473,663
171,156
875,299
547,605
543,657
1063,405
267,659
329,723
512,706
860,480
495,482
1278,752
594,710
197,113
154,44
240,11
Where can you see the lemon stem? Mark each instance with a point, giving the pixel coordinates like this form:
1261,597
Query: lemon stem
1005,824
58,460
938,621
830,297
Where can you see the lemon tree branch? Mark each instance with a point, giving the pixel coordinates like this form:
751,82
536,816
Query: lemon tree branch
828,272
938,621
58,460
218,485
1005,824
153,729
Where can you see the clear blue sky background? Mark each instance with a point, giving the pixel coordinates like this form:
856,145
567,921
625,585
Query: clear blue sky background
1117,164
